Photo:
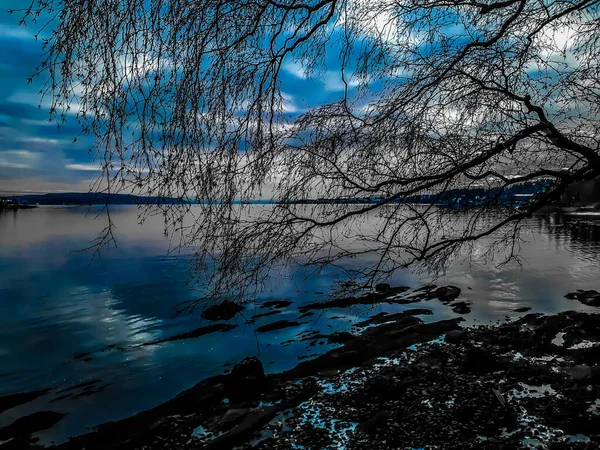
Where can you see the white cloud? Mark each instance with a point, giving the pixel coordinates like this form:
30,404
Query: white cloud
89,167
36,100
295,69
38,140
18,159
333,81
289,104
43,123
16,32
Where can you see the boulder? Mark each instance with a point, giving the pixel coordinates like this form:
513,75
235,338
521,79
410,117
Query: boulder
280,324
447,294
246,378
461,307
226,310
589,297
455,336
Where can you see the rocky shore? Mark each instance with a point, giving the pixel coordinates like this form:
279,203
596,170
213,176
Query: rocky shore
394,382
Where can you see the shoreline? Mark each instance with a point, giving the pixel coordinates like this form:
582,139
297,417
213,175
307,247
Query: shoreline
351,386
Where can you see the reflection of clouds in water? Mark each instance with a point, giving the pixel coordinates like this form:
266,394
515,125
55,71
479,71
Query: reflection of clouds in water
99,312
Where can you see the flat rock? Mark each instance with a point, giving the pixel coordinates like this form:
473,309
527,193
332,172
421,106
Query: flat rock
25,426
202,331
10,401
389,295
226,310
280,324
276,304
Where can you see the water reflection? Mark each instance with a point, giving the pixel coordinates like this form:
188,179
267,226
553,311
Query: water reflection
67,320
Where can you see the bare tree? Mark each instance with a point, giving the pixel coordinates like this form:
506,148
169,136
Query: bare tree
184,100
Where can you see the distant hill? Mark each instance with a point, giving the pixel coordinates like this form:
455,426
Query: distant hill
92,198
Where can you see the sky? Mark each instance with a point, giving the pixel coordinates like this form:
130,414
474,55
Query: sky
37,156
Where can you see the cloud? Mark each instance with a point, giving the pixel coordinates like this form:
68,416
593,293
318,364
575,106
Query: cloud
16,32
289,104
295,69
42,140
334,83
18,159
88,167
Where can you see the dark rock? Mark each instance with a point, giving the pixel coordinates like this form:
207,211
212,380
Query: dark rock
579,373
461,307
388,296
455,336
247,379
25,426
480,361
589,297
306,314
447,294
10,401
382,287
384,317
276,304
85,384
202,331
280,324
248,369
341,337
267,314
232,418
226,310
522,310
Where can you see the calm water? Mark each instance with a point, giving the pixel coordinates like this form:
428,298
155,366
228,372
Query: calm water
67,320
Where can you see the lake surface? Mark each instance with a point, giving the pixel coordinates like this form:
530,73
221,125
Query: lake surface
74,325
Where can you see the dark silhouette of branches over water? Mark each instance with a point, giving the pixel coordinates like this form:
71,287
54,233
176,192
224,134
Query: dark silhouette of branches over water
184,100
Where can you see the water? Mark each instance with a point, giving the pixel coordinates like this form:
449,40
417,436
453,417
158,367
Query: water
66,319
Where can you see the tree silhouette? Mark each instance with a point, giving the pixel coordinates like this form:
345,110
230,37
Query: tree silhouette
184,99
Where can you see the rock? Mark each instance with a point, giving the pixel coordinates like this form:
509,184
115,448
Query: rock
382,287
522,310
198,332
461,307
232,418
267,314
25,426
341,337
389,295
276,304
447,294
280,324
226,310
246,378
480,361
249,369
306,314
589,297
10,401
579,373
454,336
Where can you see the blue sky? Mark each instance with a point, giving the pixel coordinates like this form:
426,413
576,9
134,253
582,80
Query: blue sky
39,156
